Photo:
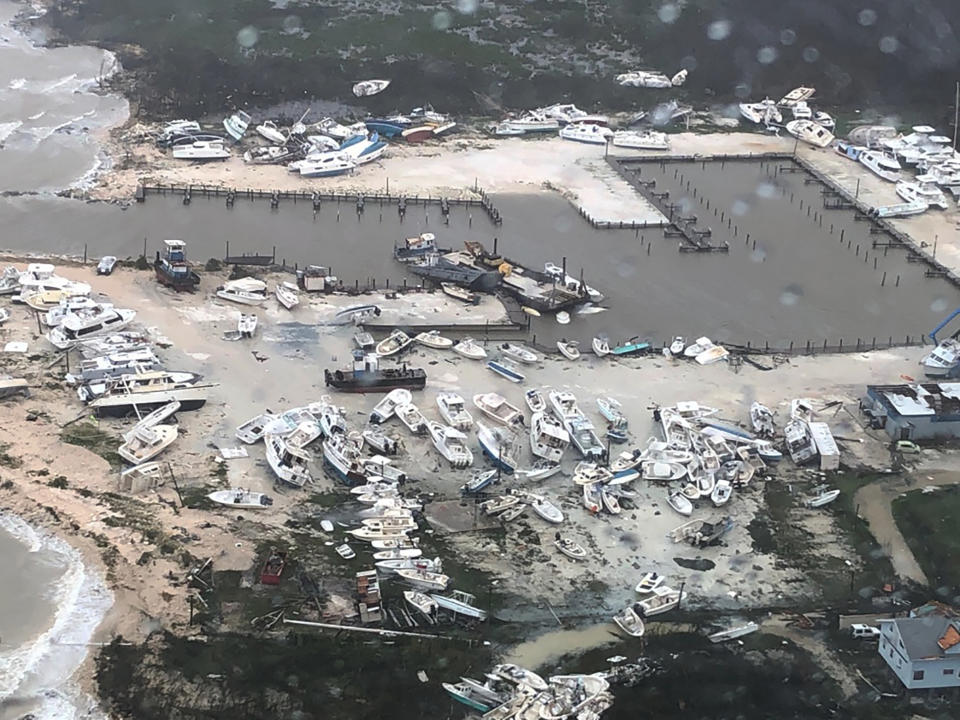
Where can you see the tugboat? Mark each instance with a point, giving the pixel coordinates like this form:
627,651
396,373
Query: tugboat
172,268
367,376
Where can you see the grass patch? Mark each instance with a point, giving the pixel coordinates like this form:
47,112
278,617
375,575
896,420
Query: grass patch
87,434
928,522
8,460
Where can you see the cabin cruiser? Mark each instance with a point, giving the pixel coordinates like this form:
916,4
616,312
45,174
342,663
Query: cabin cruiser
325,165
246,291
362,149
801,110
288,463
71,304
572,114
881,165
586,133
799,441
365,88
146,390
641,140
113,365
236,125
923,190
943,360
40,277
80,325
810,132
530,123
269,131
548,439
765,112
201,150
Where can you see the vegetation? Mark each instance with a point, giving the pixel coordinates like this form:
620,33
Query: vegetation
87,433
928,522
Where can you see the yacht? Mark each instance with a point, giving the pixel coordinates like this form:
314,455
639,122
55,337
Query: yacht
810,132
362,149
569,113
943,360
451,443
113,365
288,463
880,164
530,123
147,391
40,277
923,190
548,439
70,304
586,133
77,326
201,150
641,140
246,291
270,132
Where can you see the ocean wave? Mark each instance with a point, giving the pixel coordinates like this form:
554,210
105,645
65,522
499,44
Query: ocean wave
17,83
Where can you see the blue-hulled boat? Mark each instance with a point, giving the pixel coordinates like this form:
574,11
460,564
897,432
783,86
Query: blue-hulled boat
479,482
386,127
633,345
500,445
506,371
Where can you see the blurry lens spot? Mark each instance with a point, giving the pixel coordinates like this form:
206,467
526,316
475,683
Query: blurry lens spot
939,305
247,37
811,54
719,30
739,208
766,190
291,23
668,13
442,20
766,55
758,255
867,17
788,36
791,295
889,44
467,7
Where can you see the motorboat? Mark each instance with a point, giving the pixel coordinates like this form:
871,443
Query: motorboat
701,345
451,443
470,348
677,345
880,164
571,284
592,499
722,490
923,190
824,119
268,130
286,297
289,464
246,291
733,633
200,150
381,442
379,534
433,339
453,410
512,513
519,353
586,133
643,140
810,132
569,113
497,408
418,134
679,502
564,404
382,467
797,95
570,349
506,370
647,79
106,265
144,391
799,441
801,111
943,360
459,293
328,164
690,491
765,112
584,438
627,460
535,400
387,407
419,601
240,498
590,473
663,599
610,408
713,354
479,482
392,564
545,509
345,551
356,314
917,207
410,415
548,438
630,622
363,340
530,123
823,498
366,88
460,603
45,300
112,365
568,547
398,553
81,325
246,325
236,125
601,346
761,419
498,504
649,582
541,470
500,445
394,343
610,502
631,346
145,443
364,149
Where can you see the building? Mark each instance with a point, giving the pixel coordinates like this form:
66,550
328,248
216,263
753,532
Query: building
927,411
923,650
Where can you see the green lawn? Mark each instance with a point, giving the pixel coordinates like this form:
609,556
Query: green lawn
928,522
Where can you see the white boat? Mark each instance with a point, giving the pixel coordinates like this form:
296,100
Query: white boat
247,325
610,502
345,551
397,553
400,543
572,550
823,498
629,622
810,132
421,602
627,460
733,633
519,353
240,498
410,415
106,265
200,150
379,535
677,346
541,470
459,293
722,490
545,509
586,133
394,343
246,291
701,345
648,79
923,190
943,360
453,410
451,443
363,340
711,355
592,499
679,502
387,407
512,513
610,408
497,408
325,165
288,463
649,582
570,349
548,439
535,400
590,473
433,339
382,467
534,122
365,88
662,600
500,445
584,437
506,370
111,365
460,603
269,131
286,297
642,140
601,346
797,95
381,442
236,125
470,348
801,111
569,113
917,207
799,441
77,327
765,112
662,471
479,482
880,164
355,314
423,578
824,119
761,419
145,443
9,281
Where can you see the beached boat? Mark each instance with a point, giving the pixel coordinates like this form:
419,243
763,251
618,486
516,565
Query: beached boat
570,349
799,441
733,633
342,457
106,265
289,463
460,603
240,498
410,415
387,407
610,408
808,131
631,346
610,501
548,439
532,122
541,470
397,553
246,325
367,376
286,297
497,408
451,443
762,420
212,149
363,340
569,548
765,112
679,502
433,339
711,355
649,582
246,291
722,490
236,125
479,482
500,445
601,346
644,78
345,551
923,190
584,437
355,314
144,391
586,133
453,410
519,353
382,467
824,497
506,371
642,140
373,535
273,567
418,134
629,622
470,348
394,343
881,165
459,293
592,499
419,601
423,578
328,164
545,509
512,513
269,131
381,442
662,600
76,327
145,443
499,504
535,400
172,269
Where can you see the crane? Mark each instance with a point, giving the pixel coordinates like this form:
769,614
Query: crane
938,328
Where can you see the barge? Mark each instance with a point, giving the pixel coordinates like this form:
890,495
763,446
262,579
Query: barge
367,376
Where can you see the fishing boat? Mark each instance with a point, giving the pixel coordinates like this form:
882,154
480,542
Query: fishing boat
289,463
246,325
421,602
500,445
584,437
590,473
631,346
453,410
679,502
691,491
423,578
460,603
629,622
733,633
643,140
381,442
273,567
497,408
601,346
761,419
342,457
548,439
663,599
410,415
722,490
610,502
811,132
381,467
286,297
649,582
545,509
799,441
387,407
345,551
433,339
172,269
145,443
240,498
541,470
504,370
480,481
236,125
519,353
397,553
470,348
572,550
586,133
823,498
570,349
394,343
923,190
355,314
246,291
592,498
451,443
610,408
367,376
512,513
393,564
880,164
499,504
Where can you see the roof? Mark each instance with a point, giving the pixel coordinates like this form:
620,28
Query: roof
927,399
928,637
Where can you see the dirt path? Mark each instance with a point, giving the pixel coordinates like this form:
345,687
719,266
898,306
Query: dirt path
874,505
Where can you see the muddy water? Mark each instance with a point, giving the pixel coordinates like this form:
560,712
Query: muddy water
797,283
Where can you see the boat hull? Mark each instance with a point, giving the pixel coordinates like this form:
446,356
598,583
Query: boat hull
376,381
180,282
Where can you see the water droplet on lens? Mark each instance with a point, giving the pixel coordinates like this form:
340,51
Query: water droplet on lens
442,20
758,255
889,44
939,305
811,54
668,13
766,55
247,37
291,23
867,17
742,91
467,7
788,36
766,190
740,208
719,30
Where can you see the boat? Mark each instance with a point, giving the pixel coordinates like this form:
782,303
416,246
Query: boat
273,567
711,355
286,297
765,112
416,248
246,325
679,502
649,582
590,473
512,513
268,130
381,442
923,190
326,164
345,551
797,95
733,633
398,543
677,345
558,275
451,443
519,353
570,349
363,340
506,371
563,318
592,498
110,365
387,407
586,133
246,291
355,314
610,408
10,281
610,502
691,491
601,346
569,548
419,601
497,408
236,125
381,467
200,150
397,553
386,127
469,348
365,88
288,463
722,490
240,498
433,339
410,415
460,603
500,445
342,456
533,122
480,481
499,504
541,470
548,439
647,78
663,599
799,441
643,140
106,265
629,622
545,509
379,534
459,293
423,578
584,437
417,134
809,131
823,498
81,325
900,209
144,392
453,410
535,400
394,343
145,443
761,419
172,268
880,164
631,346
367,376
767,452
701,345
943,361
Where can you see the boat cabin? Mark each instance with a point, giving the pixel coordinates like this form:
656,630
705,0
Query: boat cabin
172,268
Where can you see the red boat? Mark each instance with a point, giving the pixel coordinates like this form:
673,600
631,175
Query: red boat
418,134
273,568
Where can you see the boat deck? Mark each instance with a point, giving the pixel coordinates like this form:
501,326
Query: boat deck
543,297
